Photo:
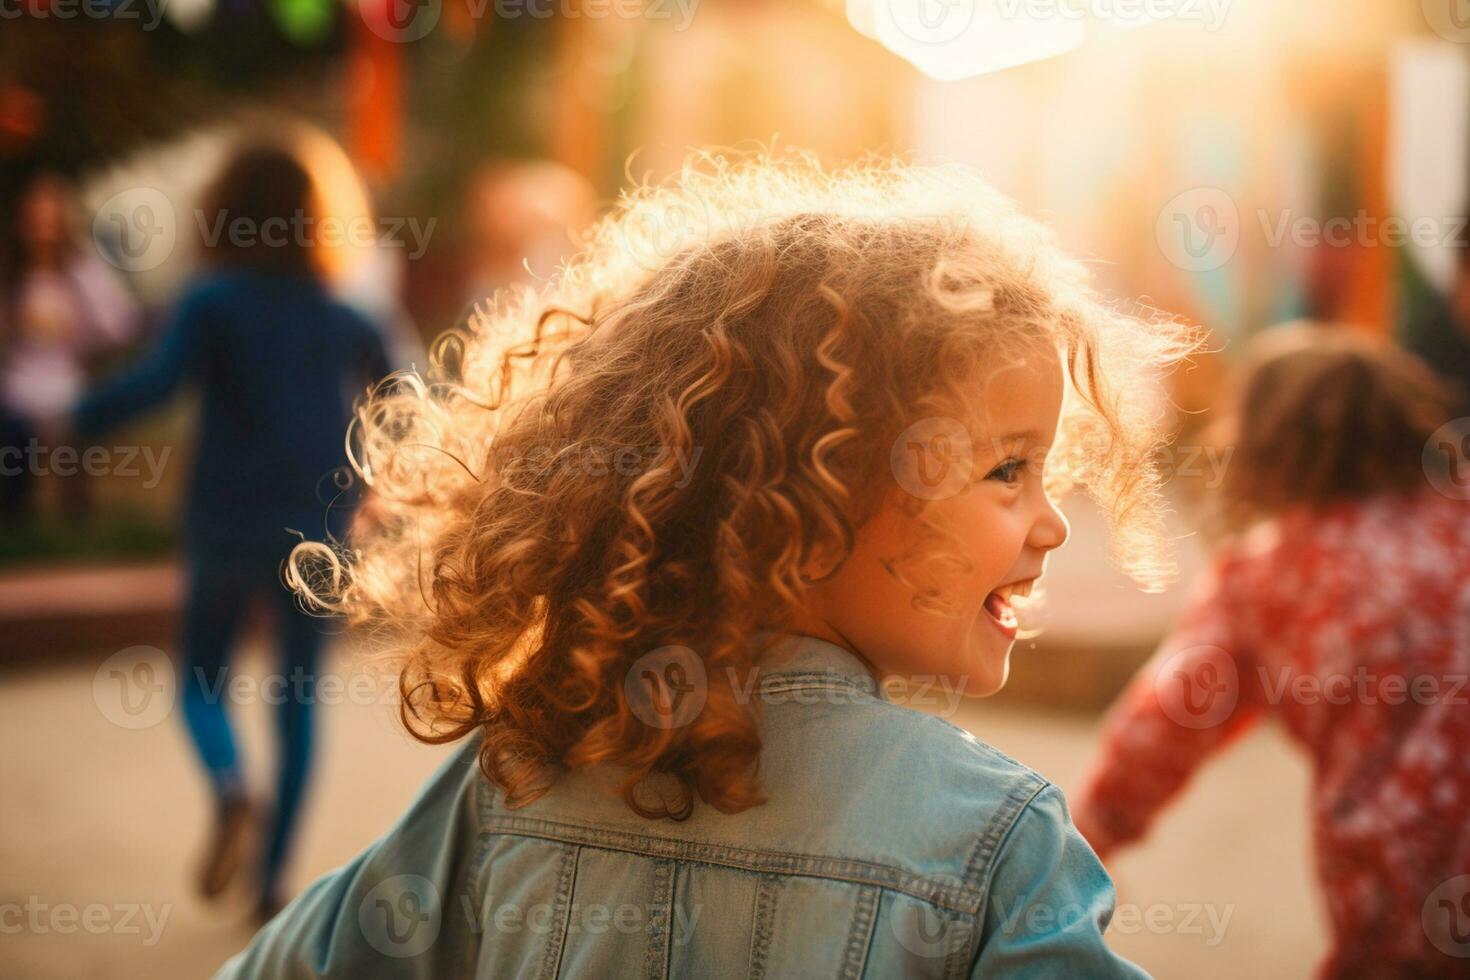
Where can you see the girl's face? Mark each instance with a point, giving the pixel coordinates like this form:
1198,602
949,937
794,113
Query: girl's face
1002,519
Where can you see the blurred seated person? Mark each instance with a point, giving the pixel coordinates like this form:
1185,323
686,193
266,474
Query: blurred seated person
60,306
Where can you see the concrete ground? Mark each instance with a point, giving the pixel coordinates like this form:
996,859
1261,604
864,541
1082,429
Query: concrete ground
100,824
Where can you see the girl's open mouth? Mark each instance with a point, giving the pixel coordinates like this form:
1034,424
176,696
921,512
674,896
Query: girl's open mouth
1002,616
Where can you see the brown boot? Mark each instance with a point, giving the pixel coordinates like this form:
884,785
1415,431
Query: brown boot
232,822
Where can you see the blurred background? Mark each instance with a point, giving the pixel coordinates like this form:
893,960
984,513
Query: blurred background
1236,162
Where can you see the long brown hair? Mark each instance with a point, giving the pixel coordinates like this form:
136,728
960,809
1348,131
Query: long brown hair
262,213
1324,413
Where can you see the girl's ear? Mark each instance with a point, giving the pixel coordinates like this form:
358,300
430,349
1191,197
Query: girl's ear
822,561
825,556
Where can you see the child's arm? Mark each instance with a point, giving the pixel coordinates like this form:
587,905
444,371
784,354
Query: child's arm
1198,693
1049,902
150,382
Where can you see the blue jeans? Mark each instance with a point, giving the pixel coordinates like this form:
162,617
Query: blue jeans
221,587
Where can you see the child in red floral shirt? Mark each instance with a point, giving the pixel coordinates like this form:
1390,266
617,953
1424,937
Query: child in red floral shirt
1339,603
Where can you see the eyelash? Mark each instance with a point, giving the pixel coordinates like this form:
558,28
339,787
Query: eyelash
1006,471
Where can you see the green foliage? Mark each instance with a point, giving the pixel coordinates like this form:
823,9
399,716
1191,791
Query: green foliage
117,535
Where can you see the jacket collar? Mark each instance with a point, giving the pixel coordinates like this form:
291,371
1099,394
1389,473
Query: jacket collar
798,655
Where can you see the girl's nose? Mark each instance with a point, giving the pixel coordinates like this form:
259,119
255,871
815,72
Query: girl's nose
1051,529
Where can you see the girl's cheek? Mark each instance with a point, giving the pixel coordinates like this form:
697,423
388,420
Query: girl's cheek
998,539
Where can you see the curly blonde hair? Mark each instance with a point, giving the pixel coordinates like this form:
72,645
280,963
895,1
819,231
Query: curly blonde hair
643,452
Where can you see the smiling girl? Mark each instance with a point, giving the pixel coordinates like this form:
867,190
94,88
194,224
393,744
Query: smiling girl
680,757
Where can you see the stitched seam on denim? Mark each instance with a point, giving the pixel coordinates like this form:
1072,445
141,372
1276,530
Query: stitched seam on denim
982,858
766,896
566,880
482,853
475,884
957,961
656,959
961,898
855,957
999,838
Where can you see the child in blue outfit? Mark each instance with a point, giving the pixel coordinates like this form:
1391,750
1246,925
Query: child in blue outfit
669,546
276,362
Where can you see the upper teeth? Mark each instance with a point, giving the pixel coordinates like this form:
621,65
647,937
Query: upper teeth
1021,589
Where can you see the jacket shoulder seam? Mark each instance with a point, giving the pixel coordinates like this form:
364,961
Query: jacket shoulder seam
956,896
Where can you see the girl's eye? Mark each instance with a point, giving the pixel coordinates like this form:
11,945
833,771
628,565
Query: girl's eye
1006,472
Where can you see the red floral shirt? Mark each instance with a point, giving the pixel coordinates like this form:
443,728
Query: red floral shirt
1352,626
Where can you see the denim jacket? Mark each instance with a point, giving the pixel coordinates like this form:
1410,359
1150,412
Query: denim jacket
891,844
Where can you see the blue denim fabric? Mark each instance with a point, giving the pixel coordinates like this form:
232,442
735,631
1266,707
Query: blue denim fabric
892,844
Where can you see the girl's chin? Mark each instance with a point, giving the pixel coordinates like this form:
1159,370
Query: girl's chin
986,685
992,658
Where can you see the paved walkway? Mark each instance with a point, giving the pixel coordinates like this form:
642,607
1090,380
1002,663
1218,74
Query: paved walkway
100,823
